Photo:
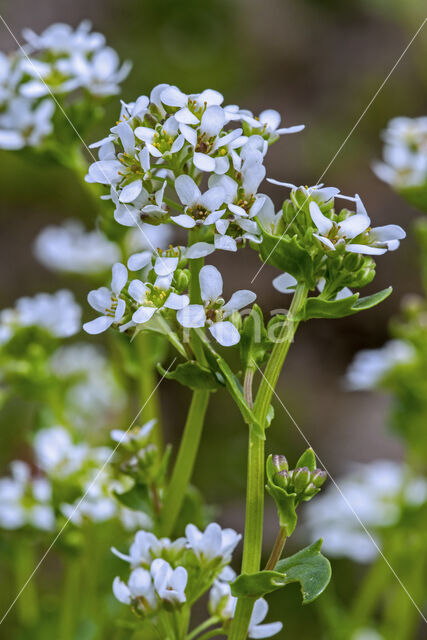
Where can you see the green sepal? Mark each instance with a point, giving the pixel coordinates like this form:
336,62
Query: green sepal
308,567
317,307
287,254
308,459
193,375
254,343
218,364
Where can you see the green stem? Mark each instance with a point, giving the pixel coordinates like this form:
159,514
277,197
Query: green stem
255,475
212,634
202,627
147,384
27,603
70,599
184,464
277,549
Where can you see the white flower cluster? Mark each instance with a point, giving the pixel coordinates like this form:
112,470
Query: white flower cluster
93,394
72,249
405,153
372,497
167,142
29,500
352,233
142,300
26,500
163,571
370,366
57,313
59,61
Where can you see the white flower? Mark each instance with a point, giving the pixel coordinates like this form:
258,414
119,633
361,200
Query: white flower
61,38
258,630
370,497
332,234
147,547
269,121
318,192
108,302
151,299
137,435
213,543
71,248
25,501
55,451
58,313
25,124
169,583
139,587
405,153
371,365
101,74
198,208
213,311
285,283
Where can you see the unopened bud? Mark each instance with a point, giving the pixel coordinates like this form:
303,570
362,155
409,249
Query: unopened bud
310,490
318,477
182,278
282,478
352,261
301,478
280,463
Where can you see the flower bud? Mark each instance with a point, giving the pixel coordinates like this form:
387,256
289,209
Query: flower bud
352,262
301,478
181,279
236,319
282,479
310,490
318,477
280,463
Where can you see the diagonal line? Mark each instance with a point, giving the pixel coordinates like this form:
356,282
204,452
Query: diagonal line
342,145
42,559
60,107
345,499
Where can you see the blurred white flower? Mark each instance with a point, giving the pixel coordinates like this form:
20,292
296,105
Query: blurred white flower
169,583
371,365
25,500
57,312
371,496
405,153
71,248
214,543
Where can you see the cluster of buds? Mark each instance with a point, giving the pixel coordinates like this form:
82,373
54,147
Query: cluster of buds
300,481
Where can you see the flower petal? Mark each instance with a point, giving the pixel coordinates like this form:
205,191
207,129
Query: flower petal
365,249
203,162
120,276
192,316
183,220
239,299
187,190
185,116
285,283
353,226
323,224
175,301
139,260
100,324
137,290
210,283
212,121
199,250
131,191
225,333
143,314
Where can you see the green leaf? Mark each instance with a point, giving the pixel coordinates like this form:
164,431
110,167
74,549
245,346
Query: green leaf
308,459
285,505
308,567
234,387
193,375
317,307
253,339
286,254
137,498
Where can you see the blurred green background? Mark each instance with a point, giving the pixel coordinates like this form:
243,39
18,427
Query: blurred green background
318,62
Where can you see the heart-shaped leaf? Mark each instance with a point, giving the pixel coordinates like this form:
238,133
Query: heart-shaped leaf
308,567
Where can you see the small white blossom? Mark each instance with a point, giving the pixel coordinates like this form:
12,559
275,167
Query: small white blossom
108,302
214,312
169,583
136,435
371,365
71,248
214,543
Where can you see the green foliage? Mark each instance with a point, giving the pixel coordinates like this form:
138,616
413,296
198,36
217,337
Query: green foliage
254,343
308,567
318,307
193,375
288,255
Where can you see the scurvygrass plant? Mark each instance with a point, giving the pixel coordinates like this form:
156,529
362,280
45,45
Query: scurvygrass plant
188,166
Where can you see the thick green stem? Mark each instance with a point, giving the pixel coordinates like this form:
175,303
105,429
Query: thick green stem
184,464
277,549
27,603
255,478
70,599
147,383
